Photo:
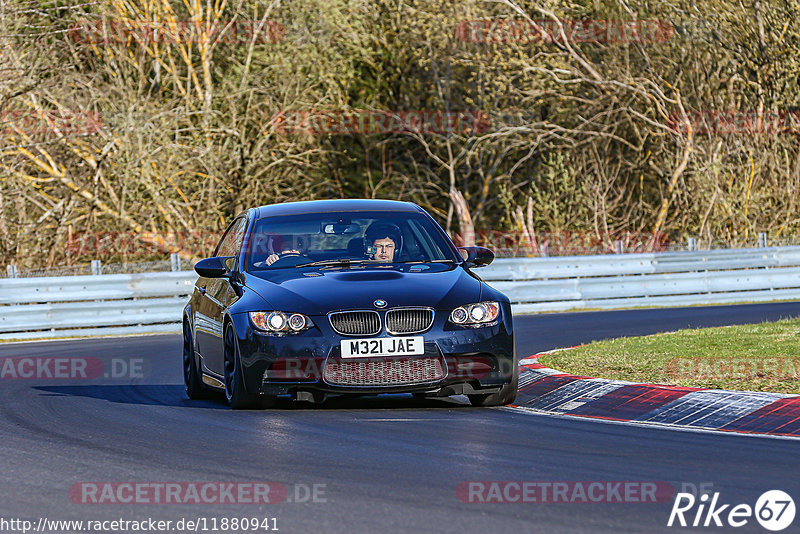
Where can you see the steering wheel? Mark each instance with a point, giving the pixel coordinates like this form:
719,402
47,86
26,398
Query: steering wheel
290,259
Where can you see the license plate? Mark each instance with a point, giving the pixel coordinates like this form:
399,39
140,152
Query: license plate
383,346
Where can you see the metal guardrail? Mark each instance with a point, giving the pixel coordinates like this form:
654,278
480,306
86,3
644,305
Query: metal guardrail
111,304
115,304
657,279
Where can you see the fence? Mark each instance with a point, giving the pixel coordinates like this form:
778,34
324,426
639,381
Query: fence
95,267
128,250
542,244
112,304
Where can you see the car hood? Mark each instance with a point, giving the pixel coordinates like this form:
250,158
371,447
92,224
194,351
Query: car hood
318,292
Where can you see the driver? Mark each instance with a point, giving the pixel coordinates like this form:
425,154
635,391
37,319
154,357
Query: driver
383,241
289,245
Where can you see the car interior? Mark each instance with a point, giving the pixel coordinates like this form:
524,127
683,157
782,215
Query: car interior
417,245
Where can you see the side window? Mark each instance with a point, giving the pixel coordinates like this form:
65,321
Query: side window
232,240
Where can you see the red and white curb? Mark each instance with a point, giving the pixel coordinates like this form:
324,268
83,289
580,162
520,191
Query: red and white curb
547,390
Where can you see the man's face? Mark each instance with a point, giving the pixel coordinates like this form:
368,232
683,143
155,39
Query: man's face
385,249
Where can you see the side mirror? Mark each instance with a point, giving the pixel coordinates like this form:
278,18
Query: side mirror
215,267
476,256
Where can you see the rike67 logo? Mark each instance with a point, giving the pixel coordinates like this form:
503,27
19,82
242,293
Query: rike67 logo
774,510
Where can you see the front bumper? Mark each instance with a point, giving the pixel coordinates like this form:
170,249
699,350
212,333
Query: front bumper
472,360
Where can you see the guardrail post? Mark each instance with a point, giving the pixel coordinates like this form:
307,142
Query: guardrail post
97,267
762,240
544,250
175,260
12,271
692,244
618,246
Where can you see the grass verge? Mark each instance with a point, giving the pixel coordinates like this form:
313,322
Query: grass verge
760,357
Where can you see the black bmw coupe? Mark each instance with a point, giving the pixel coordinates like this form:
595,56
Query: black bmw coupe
345,297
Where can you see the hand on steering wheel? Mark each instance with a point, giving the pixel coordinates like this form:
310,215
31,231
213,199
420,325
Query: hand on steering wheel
286,259
272,258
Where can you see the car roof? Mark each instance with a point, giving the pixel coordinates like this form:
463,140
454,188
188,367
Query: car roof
327,206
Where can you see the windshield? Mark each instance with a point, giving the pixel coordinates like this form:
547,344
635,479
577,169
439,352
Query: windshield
343,238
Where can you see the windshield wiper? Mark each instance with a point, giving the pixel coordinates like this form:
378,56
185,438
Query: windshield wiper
426,261
344,262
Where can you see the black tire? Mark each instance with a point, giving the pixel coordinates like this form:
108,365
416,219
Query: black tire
238,397
506,395
195,389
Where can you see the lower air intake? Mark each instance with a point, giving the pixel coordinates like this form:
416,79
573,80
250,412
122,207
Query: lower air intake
383,371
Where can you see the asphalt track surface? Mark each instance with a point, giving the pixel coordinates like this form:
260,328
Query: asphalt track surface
385,464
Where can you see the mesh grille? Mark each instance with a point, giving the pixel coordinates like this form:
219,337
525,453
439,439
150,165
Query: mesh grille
383,372
356,323
408,320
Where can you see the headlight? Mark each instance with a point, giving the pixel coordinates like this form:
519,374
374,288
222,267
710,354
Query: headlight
479,314
459,316
297,322
280,322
